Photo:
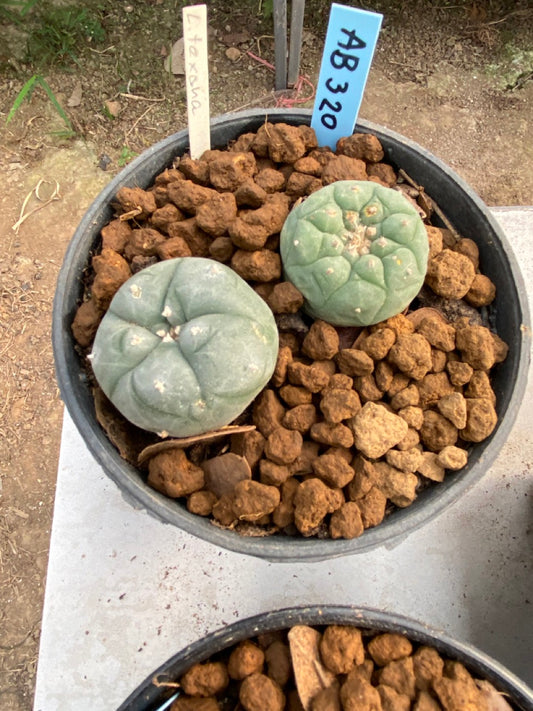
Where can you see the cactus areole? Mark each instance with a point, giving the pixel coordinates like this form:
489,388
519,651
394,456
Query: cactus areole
357,251
184,347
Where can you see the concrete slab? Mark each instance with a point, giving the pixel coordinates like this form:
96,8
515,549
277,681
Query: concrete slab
125,592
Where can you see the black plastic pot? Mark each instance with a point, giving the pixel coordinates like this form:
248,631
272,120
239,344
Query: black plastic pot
149,696
509,316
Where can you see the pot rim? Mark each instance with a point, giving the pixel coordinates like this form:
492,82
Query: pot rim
273,548
478,662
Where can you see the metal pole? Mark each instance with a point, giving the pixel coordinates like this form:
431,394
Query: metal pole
295,46
280,43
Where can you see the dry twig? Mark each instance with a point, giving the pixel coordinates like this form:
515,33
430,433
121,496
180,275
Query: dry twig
137,121
137,98
35,192
434,205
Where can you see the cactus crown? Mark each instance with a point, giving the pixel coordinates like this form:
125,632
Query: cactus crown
184,347
356,250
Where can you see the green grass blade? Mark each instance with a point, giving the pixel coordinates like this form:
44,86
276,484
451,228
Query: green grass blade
27,6
55,103
23,93
8,15
16,16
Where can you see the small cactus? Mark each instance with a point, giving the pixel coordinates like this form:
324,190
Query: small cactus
356,250
184,347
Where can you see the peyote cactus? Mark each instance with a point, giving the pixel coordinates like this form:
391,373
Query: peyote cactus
184,347
356,250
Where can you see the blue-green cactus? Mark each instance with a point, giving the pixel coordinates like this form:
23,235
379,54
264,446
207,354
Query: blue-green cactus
357,251
184,347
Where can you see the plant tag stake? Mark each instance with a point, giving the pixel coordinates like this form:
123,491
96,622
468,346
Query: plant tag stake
196,78
348,50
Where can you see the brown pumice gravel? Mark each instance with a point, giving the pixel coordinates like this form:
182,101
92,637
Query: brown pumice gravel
334,668
354,422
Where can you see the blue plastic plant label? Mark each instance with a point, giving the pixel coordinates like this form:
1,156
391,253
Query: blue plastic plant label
348,51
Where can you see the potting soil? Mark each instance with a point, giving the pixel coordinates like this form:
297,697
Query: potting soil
355,421
332,668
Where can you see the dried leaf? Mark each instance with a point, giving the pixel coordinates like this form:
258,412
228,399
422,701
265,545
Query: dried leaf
347,335
476,13
128,439
222,473
182,442
234,38
252,530
418,315
411,195
451,309
363,333
494,699
75,97
310,674
113,107
175,62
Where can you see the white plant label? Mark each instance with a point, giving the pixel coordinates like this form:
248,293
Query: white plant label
196,78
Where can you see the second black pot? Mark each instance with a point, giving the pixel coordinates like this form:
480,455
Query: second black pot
151,693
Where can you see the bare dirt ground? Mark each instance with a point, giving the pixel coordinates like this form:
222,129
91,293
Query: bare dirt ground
457,78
